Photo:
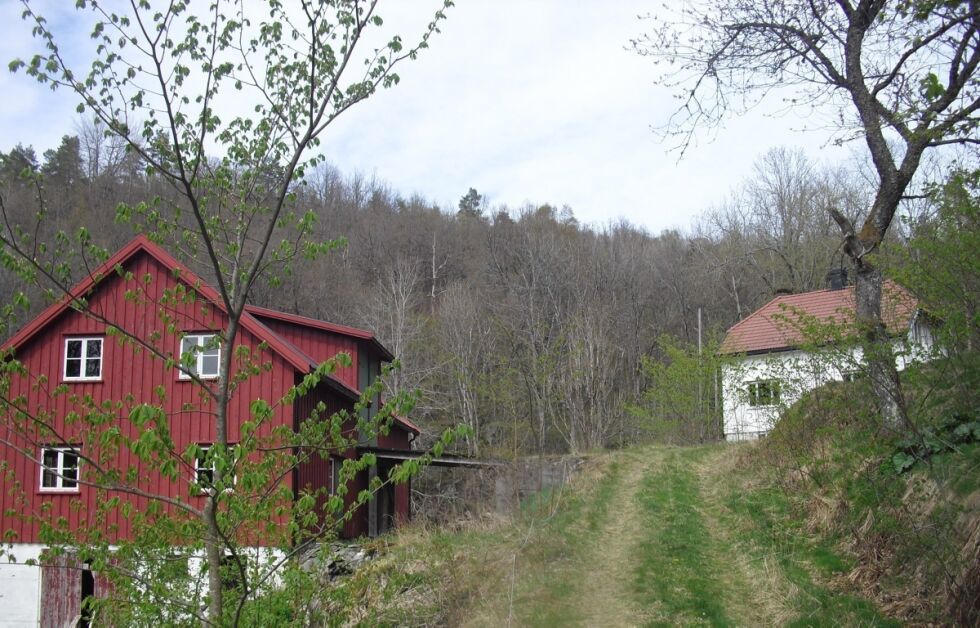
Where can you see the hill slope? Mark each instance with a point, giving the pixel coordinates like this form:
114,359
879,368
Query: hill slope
649,536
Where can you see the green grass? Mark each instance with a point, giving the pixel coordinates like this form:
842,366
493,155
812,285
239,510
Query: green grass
709,537
905,527
766,518
961,468
689,572
529,571
676,570
550,568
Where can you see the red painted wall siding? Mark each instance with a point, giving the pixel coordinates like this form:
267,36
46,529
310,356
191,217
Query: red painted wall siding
315,473
397,438
127,372
320,345
357,525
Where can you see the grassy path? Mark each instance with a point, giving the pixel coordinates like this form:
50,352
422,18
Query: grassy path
651,536
607,598
664,537
680,565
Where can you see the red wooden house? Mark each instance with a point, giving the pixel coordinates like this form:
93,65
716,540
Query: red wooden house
76,351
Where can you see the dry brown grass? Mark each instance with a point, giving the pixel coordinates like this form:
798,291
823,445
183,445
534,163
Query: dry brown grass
607,600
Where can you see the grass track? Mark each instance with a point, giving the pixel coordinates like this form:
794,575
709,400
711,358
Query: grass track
677,565
650,536
671,536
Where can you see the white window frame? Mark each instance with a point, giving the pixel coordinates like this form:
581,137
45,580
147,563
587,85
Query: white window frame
59,469
81,377
198,468
201,340
775,392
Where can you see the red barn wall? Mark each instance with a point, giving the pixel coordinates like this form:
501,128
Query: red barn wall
320,345
61,586
127,371
357,525
315,473
403,501
397,438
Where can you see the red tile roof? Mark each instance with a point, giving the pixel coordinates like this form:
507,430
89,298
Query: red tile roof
776,325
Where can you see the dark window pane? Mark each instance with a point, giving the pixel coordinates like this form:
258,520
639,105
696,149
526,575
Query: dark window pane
60,469
764,393
50,457
73,368
94,348
74,348
69,464
92,368
205,469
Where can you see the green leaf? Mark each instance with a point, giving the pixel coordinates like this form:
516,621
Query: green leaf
931,88
902,462
968,431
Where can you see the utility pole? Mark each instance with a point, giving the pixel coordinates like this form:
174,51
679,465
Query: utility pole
701,416
699,331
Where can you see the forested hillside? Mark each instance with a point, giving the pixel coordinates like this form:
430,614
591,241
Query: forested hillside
520,322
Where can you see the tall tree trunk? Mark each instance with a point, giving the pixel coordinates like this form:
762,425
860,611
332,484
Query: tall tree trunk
213,551
878,349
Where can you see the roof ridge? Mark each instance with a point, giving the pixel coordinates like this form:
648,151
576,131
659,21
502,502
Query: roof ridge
321,325
300,319
766,330
184,274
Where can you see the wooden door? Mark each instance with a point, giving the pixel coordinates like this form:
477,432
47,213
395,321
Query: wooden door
61,591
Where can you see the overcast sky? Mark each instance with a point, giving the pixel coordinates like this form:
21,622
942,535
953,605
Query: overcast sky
528,101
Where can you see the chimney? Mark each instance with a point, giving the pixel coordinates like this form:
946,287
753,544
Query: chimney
837,278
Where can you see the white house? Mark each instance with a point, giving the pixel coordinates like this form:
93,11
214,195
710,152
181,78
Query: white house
772,370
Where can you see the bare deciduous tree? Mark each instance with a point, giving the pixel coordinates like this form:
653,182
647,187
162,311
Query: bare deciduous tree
155,83
901,70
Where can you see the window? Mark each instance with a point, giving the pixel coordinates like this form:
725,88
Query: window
231,577
200,354
59,469
83,359
204,468
764,393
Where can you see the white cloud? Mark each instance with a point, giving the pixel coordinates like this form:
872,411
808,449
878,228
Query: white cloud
526,101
